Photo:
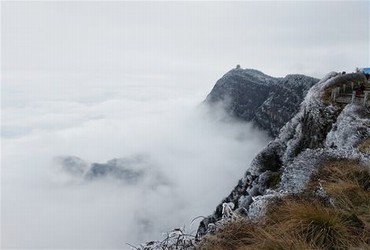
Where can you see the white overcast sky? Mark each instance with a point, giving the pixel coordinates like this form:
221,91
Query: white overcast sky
192,40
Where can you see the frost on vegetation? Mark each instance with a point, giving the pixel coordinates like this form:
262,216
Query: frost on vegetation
266,101
309,127
252,74
175,239
180,239
227,210
304,143
297,174
312,98
316,134
298,149
352,126
259,205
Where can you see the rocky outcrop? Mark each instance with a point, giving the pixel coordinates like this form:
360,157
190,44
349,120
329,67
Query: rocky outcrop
268,102
320,131
129,170
307,134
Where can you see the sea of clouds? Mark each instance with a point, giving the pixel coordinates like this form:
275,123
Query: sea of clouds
190,158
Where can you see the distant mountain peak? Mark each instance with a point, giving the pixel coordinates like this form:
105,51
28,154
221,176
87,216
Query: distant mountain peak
268,102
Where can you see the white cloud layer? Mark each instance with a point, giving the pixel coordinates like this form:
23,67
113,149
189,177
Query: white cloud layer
200,157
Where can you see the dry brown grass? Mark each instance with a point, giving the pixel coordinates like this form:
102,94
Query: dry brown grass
231,236
276,238
244,235
364,146
347,182
292,224
320,226
307,222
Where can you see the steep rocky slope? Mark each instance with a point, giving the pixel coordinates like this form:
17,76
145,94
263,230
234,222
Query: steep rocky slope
318,132
267,101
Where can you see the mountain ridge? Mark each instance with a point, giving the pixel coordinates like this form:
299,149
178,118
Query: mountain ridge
319,132
302,139
266,101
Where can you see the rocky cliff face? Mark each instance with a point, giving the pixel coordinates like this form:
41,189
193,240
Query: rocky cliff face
268,102
320,131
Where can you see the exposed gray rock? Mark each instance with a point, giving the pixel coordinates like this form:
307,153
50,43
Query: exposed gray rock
123,169
269,102
318,132
312,131
73,165
131,170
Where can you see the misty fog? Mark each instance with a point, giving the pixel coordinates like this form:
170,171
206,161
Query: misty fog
189,156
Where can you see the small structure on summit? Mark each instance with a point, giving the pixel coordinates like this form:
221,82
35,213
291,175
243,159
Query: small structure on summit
238,66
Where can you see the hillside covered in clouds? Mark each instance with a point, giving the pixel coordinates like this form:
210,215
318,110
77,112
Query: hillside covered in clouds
309,188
